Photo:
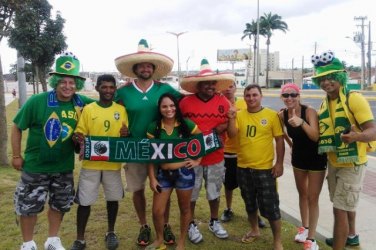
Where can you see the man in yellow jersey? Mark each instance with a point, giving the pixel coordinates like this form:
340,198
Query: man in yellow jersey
346,127
102,118
255,128
231,160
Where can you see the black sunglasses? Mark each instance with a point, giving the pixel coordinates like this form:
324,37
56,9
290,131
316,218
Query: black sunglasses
293,95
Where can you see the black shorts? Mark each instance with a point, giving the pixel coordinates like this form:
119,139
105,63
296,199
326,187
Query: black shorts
231,164
259,191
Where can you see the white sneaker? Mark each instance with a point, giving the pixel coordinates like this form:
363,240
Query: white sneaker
53,243
194,234
310,245
218,230
301,235
30,245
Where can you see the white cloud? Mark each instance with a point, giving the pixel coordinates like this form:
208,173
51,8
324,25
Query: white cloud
99,31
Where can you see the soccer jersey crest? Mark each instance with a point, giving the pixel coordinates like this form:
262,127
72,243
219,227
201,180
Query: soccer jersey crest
264,122
116,115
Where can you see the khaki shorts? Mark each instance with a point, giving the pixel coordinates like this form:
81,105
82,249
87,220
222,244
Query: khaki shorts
214,176
135,176
88,186
345,185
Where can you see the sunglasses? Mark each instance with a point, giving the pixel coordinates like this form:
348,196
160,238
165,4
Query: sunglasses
324,78
293,95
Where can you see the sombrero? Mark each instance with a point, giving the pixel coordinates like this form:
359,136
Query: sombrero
224,80
326,64
67,65
163,64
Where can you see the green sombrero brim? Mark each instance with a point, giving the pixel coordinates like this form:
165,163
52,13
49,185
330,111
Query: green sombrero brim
62,74
328,72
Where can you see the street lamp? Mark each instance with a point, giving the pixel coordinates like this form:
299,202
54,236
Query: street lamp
177,45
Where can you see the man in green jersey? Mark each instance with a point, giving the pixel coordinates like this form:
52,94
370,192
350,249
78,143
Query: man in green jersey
48,160
140,98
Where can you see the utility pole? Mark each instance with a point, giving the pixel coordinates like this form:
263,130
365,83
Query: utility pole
369,65
360,38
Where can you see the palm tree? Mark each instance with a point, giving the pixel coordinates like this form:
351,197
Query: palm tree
251,30
270,22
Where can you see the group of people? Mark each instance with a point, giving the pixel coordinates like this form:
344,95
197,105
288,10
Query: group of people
251,159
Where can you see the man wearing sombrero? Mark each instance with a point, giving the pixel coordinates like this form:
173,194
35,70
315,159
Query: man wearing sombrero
48,160
140,98
208,109
346,126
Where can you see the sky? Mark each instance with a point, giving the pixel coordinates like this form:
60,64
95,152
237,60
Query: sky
99,31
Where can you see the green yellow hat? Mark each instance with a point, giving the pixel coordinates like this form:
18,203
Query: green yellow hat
67,65
326,64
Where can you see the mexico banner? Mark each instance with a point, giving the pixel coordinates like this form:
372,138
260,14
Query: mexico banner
123,149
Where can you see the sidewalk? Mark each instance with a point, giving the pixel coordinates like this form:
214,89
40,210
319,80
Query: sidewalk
366,213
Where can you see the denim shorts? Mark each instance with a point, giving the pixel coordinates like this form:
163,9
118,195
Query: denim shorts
181,178
33,189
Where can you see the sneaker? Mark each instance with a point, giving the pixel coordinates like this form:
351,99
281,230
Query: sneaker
227,215
30,245
261,223
168,236
53,243
311,245
349,242
144,236
194,234
78,245
112,241
302,235
216,227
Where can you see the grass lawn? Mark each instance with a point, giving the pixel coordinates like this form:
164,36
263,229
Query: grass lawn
127,226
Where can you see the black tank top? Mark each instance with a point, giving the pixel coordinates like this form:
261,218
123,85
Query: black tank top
304,150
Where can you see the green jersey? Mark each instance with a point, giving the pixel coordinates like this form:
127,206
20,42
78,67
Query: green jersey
142,107
49,148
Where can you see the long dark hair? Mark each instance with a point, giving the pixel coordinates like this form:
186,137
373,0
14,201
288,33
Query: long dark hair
183,128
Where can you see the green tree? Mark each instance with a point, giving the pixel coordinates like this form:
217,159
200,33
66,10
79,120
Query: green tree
251,31
270,22
38,37
7,10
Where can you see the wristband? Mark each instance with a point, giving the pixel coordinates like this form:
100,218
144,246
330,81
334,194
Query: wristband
16,156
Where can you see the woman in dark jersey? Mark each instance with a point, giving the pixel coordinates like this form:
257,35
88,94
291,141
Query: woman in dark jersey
301,124
165,177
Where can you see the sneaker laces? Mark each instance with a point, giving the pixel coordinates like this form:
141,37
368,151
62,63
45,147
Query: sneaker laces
301,230
168,235
308,244
144,234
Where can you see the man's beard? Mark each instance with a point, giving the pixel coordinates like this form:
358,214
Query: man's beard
143,77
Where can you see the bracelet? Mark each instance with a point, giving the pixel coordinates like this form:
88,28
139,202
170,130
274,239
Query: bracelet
16,156
301,124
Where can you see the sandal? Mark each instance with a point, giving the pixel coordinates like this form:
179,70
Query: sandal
249,238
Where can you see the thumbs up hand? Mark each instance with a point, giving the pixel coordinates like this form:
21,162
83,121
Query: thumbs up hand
295,121
124,132
350,135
